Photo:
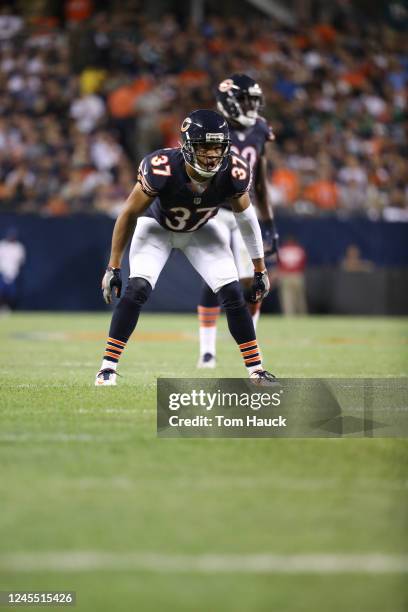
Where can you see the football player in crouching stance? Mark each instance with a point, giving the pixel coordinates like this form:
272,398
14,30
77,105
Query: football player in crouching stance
239,99
177,194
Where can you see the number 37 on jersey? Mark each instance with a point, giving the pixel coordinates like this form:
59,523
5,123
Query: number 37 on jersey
177,205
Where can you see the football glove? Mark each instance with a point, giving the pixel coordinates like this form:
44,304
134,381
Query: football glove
260,287
111,279
270,237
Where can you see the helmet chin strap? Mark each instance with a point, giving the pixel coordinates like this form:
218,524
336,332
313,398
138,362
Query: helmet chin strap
204,173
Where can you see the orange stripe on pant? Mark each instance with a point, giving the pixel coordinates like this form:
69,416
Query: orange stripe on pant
252,343
112,346
109,350
252,359
109,354
251,352
117,341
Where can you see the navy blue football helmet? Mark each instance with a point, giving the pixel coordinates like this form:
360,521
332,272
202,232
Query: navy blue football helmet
205,142
239,99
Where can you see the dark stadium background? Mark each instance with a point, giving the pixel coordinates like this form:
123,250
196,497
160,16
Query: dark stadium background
88,88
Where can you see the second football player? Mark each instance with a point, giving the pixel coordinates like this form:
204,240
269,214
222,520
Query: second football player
239,99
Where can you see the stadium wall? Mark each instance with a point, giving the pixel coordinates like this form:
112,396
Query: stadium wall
66,258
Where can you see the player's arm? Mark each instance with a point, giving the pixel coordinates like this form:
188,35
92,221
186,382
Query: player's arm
269,233
137,202
262,198
248,225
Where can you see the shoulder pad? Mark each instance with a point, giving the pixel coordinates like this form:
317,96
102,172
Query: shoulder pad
154,170
241,176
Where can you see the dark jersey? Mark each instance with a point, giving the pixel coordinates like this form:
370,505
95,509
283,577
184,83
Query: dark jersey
250,144
179,205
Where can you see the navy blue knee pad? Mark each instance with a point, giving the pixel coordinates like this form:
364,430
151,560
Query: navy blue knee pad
138,290
239,320
231,296
127,310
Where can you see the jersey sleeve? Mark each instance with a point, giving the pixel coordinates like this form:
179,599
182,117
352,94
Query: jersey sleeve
270,136
241,176
266,132
154,169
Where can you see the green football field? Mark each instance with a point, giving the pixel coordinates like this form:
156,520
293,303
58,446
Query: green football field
92,501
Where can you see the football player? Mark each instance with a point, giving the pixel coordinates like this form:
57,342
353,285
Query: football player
239,99
176,196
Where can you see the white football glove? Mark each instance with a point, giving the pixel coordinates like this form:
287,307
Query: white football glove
111,279
260,287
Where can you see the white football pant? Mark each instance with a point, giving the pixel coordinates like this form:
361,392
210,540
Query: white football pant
225,219
207,249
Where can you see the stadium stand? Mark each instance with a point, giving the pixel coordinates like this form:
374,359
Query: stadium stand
85,96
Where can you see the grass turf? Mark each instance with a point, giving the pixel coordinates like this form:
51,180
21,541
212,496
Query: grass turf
82,469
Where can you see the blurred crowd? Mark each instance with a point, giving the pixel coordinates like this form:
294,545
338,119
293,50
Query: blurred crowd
84,97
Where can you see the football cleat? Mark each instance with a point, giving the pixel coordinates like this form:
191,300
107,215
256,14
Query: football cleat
206,361
106,377
263,378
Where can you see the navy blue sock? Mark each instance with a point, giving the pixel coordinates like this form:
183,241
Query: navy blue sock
125,317
240,323
208,299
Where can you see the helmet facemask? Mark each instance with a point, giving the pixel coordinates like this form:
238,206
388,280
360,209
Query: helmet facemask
206,157
249,106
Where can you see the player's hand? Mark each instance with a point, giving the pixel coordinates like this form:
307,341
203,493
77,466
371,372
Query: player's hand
112,279
270,237
260,287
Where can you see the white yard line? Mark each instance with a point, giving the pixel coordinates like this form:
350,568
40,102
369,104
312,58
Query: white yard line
59,437
37,386
375,486
88,561
98,411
